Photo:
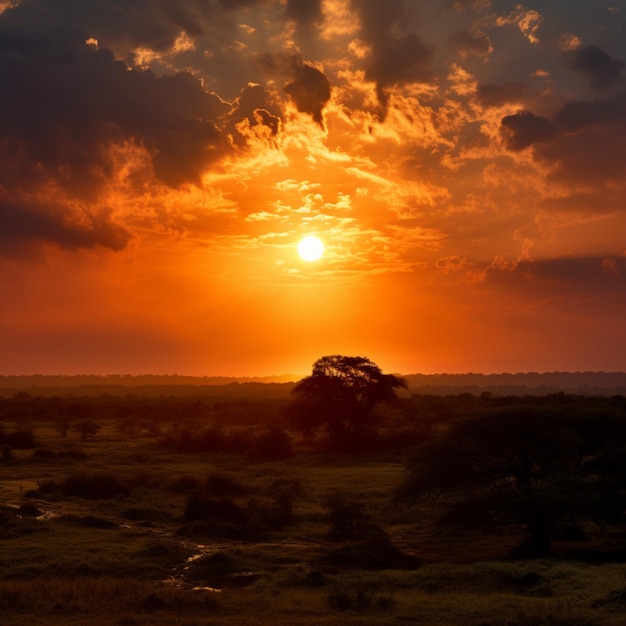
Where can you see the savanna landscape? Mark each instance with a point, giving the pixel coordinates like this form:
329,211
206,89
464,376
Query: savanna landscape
233,505
201,198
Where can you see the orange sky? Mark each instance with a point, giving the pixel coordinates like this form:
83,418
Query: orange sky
464,163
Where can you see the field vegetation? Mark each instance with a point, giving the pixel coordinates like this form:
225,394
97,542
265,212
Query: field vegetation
467,509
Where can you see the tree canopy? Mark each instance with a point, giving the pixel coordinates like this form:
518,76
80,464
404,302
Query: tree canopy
340,396
549,470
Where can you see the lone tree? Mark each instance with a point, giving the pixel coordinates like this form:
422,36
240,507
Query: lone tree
340,396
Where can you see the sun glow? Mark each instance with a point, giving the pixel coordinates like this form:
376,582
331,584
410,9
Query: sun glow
310,248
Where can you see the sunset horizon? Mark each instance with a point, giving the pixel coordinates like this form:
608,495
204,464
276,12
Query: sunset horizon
237,188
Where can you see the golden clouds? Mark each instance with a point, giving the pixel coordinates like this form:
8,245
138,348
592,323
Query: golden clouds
527,20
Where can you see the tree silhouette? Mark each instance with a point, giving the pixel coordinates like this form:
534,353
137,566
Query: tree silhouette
546,469
340,396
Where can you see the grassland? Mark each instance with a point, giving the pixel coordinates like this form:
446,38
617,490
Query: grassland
98,526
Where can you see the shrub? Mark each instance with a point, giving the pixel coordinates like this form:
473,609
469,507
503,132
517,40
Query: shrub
374,554
72,453
199,507
210,440
274,445
348,521
216,517
88,521
140,514
30,509
46,486
291,486
219,484
18,440
270,514
44,454
358,600
94,486
185,483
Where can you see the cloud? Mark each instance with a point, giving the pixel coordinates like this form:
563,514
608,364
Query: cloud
584,142
469,43
583,203
600,69
525,129
308,87
576,115
527,20
255,106
310,91
570,275
464,5
21,224
72,117
398,56
304,12
119,23
65,102
492,95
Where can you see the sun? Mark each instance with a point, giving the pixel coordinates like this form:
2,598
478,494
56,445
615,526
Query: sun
310,248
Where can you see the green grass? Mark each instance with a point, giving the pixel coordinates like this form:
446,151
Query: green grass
123,561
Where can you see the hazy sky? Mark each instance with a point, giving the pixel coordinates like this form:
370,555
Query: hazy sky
464,163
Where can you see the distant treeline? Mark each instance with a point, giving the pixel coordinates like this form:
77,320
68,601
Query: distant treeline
585,383
241,391
130,380
148,385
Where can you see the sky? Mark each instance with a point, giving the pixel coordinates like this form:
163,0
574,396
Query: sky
463,162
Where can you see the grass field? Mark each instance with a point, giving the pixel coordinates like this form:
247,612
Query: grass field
99,529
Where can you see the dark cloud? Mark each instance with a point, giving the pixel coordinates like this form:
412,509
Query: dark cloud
579,114
525,129
584,142
238,4
65,102
64,105
23,224
498,95
304,12
155,24
585,203
254,105
470,43
597,66
397,57
464,5
308,87
595,156
565,275
310,91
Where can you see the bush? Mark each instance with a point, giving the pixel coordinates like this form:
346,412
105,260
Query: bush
358,600
44,454
72,453
185,483
18,440
274,445
94,486
270,514
199,507
46,486
30,509
219,484
348,521
208,441
89,521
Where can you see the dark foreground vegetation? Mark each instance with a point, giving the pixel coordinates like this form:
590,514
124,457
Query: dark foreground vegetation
465,509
